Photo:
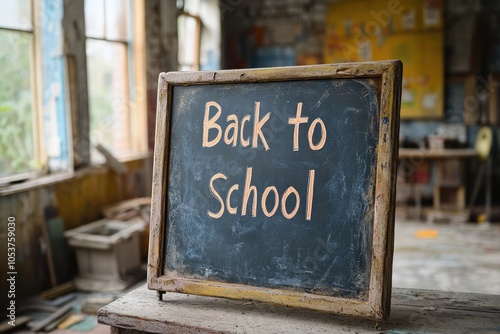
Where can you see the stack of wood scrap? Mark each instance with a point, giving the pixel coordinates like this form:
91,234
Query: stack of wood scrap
55,309
136,207
52,320
59,308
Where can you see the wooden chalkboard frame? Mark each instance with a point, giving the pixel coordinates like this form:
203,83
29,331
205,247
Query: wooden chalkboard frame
378,305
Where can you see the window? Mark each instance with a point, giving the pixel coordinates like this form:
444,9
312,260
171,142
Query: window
18,117
35,69
198,27
33,121
110,73
189,28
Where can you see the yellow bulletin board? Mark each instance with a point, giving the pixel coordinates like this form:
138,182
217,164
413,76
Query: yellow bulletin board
408,30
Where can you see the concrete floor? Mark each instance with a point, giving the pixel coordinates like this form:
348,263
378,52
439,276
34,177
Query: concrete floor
463,258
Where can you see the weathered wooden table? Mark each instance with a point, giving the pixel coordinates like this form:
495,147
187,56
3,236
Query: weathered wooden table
413,311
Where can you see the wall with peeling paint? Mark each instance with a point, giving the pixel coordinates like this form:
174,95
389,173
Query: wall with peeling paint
161,52
272,33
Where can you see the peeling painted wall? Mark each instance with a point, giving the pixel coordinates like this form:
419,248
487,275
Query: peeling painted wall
272,33
161,52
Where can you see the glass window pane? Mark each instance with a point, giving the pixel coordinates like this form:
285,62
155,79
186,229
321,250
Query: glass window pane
94,18
108,90
17,153
188,40
15,14
117,17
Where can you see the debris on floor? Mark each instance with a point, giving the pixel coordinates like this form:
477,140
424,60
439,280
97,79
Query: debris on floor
72,312
52,320
5,327
426,234
109,253
86,325
70,321
94,302
58,290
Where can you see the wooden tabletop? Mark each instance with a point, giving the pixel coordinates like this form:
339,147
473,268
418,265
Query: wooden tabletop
413,311
437,153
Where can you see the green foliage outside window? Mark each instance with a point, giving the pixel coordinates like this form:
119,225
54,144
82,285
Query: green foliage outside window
17,153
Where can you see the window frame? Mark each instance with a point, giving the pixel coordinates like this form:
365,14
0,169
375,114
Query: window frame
136,77
137,99
40,156
195,66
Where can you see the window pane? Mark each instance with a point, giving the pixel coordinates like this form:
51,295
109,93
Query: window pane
108,90
94,18
15,14
188,41
117,16
17,152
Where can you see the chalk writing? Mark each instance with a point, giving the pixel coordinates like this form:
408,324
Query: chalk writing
231,132
231,139
250,189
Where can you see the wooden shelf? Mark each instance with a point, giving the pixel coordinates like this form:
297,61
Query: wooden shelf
448,174
416,153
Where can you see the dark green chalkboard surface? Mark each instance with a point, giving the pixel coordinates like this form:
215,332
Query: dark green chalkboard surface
270,182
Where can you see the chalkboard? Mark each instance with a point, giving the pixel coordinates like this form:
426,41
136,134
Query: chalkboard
277,182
